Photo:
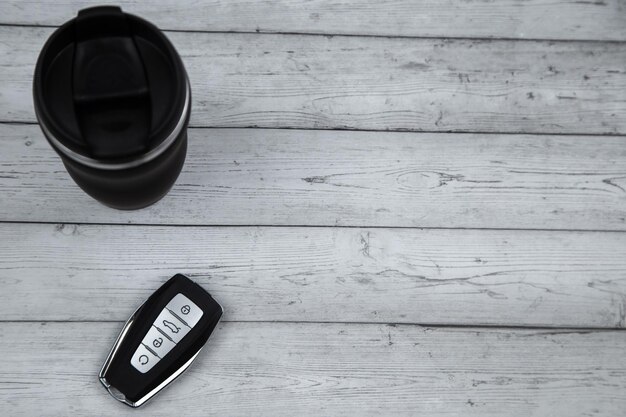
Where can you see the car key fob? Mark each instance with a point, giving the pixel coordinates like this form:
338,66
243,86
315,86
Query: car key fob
160,340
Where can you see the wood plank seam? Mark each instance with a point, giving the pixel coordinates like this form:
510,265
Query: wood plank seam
296,226
561,329
321,226
346,129
331,35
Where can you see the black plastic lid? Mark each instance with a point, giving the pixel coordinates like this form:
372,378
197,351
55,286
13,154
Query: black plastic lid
109,86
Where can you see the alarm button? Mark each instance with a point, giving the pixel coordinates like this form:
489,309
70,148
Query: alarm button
171,326
143,360
185,309
157,342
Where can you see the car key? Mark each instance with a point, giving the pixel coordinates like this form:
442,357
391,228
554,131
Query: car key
160,340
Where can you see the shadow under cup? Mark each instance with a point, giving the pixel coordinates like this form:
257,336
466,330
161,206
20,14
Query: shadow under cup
112,97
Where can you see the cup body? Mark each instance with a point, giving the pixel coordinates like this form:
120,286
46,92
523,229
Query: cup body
131,188
112,98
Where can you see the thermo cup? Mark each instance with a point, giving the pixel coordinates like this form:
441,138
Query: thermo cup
113,99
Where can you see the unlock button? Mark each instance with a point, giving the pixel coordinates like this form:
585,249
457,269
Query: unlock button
157,342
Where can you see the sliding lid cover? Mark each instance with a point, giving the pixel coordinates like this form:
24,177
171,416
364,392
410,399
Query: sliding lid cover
109,87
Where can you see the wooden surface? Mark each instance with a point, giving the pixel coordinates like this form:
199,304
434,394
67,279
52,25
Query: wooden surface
287,369
331,178
466,277
348,82
515,19
460,251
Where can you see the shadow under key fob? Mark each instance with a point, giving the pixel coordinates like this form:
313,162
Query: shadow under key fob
160,340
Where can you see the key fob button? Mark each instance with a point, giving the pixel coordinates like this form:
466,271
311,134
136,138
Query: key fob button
143,360
158,342
171,326
185,309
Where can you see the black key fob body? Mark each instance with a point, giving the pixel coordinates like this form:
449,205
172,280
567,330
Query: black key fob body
160,340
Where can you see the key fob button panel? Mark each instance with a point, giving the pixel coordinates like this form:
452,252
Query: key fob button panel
167,330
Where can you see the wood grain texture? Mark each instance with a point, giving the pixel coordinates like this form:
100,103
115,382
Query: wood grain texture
600,20
272,370
445,277
296,81
290,177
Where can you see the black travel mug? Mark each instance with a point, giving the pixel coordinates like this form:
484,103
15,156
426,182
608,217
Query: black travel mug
112,97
